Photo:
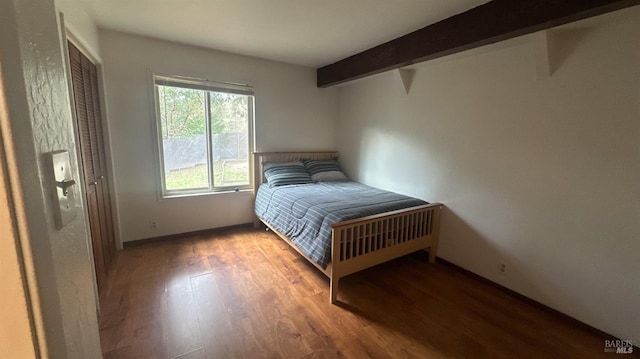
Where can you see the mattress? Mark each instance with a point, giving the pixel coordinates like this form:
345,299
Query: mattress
304,213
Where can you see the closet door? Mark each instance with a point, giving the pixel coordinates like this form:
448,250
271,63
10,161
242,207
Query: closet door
88,115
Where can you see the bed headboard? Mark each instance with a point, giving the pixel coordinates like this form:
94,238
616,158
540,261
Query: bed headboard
261,157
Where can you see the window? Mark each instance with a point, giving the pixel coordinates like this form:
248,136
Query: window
204,135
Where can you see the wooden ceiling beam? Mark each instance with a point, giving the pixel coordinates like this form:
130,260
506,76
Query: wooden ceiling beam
494,21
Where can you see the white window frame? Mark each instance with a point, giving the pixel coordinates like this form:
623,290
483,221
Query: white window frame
204,85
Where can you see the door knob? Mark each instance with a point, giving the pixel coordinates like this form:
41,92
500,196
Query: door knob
65,184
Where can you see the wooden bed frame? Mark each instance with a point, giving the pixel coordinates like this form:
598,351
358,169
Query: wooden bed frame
361,243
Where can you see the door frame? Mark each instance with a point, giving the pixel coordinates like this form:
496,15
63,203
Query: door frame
67,34
71,35
21,324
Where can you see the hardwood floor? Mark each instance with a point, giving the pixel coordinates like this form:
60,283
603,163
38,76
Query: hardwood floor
244,293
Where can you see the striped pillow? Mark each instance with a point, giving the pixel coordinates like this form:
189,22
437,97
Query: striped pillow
282,174
324,170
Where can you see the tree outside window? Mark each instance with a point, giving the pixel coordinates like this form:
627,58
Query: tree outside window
205,134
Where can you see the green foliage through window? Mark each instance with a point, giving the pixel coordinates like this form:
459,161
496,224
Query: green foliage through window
205,137
182,111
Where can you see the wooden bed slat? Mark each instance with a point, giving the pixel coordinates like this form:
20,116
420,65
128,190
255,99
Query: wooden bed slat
343,247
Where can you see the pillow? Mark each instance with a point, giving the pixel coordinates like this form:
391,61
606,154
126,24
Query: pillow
324,170
285,173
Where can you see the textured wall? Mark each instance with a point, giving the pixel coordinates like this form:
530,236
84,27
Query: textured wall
543,175
40,115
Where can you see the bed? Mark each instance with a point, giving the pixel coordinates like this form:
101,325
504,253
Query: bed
346,236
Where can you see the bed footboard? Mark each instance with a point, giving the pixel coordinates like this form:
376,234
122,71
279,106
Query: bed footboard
364,242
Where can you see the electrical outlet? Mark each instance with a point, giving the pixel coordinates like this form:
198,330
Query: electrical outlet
154,224
502,268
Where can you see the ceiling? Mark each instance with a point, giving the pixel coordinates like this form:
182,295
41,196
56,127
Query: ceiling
310,33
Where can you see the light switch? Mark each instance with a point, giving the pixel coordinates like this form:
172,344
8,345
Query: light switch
65,210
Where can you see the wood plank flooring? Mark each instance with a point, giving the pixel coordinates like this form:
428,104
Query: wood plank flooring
244,293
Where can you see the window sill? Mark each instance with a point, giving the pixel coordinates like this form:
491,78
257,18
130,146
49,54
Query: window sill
199,194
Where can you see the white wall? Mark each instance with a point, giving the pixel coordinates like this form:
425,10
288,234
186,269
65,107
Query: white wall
291,113
57,262
541,175
81,25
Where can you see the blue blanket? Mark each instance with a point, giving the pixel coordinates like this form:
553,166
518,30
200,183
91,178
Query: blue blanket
304,213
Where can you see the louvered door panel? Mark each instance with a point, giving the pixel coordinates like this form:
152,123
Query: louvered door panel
87,105
96,238
93,143
99,161
81,114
